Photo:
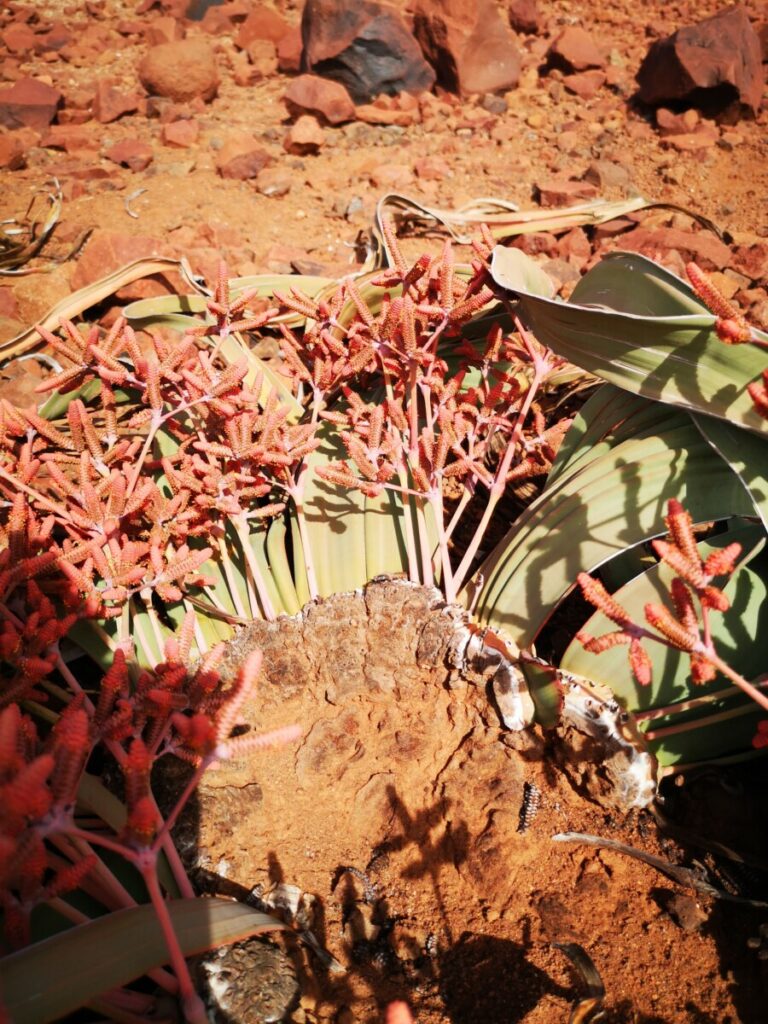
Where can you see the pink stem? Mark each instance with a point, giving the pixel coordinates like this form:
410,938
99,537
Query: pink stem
192,1005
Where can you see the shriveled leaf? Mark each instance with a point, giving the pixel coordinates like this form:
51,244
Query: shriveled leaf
52,978
21,240
502,217
636,325
721,720
76,303
596,511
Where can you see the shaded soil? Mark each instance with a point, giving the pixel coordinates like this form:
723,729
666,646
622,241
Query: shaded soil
412,781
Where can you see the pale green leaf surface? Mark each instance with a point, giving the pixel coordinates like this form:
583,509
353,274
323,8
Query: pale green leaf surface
737,635
610,416
281,568
618,325
335,518
385,550
514,270
52,978
746,454
592,514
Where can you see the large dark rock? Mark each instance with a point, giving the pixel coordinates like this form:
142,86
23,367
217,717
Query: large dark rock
469,45
712,63
365,46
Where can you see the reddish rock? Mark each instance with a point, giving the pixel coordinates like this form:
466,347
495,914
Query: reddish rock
391,176
575,247
29,103
131,153
607,174
575,50
106,251
469,45
752,260
13,155
71,138
241,157
56,38
564,192
432,169
378,113
702,246
262,23
704,137
164,30
262,53
181,133
180,71
131,27
536,243
670,123
220,20
585,84
304,137
320,96
109,103
18,38
365,46
245,75
717,60
274,182
525,16
762,34
289,51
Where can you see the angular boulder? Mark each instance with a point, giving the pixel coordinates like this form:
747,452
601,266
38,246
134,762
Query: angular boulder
575,50
29,103
470,46
365,46
526,16
180,71
315,95
714,62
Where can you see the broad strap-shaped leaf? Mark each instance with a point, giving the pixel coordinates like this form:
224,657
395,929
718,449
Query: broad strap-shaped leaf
335,520
605,419
51,979
588,516
746,454
638,326
717,725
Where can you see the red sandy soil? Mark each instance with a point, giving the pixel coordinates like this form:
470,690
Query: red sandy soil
468,908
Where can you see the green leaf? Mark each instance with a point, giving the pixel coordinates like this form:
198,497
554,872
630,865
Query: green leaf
335,520
280,566
746,454
721,726
636,325
607,418
517,272
385,550
52,978
597,510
